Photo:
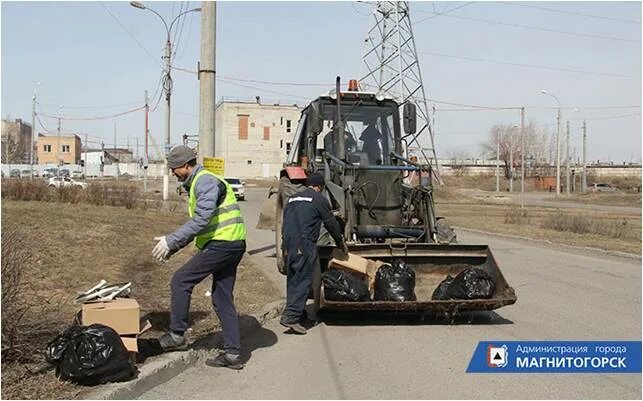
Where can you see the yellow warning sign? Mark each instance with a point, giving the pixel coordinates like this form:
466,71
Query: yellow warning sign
214,164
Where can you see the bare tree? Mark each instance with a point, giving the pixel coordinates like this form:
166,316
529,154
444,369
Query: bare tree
508,137
11,150
458,161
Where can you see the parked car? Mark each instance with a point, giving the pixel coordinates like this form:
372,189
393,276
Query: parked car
57,182
78,174
25,174
238,187
50,172
14,173
602,187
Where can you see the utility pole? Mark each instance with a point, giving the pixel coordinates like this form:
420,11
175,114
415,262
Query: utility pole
567,169
147,131
102,159
85,163
207,76
522,157
558,153
33,132
511,160
115,151
584,182
58,147
167,84
497,160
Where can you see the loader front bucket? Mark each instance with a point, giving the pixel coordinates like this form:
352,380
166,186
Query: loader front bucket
432,263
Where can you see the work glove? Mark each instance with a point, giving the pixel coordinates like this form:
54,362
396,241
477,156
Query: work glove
344,247
161,251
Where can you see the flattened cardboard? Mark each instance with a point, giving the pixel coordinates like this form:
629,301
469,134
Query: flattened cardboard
357,264
121,314
131,343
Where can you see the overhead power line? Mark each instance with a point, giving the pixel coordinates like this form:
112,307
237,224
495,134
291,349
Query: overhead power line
104,106
536,28
554,10
131,35
544,67
92,118
437,14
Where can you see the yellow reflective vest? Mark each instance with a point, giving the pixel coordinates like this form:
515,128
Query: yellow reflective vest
226,223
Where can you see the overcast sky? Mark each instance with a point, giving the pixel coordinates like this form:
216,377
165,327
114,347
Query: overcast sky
97,59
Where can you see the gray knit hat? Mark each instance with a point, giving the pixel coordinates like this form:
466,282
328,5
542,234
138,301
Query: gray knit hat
180,155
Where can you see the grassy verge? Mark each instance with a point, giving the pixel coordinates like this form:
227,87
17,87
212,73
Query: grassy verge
608,231
603,198
61,248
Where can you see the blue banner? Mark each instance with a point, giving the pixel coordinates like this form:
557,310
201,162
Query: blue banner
556,357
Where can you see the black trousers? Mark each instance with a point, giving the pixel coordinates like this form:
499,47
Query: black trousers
219,259
301,259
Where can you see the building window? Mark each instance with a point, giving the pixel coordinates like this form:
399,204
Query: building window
288,145
243,126
249,161
281,121
288,122
266,133
46,148
252,125
65,149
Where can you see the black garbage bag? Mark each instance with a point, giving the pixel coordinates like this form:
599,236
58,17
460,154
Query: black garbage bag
395,282
90,355
471,283
340,285
441,293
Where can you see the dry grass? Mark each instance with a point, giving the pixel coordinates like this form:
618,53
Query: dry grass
603,198
76,245
582,224
504,220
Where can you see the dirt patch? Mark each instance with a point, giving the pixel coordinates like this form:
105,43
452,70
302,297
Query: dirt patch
73,247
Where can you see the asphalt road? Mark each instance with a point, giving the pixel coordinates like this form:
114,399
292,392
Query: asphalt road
562,295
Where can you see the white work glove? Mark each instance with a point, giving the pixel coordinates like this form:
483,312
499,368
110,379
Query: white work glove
161,250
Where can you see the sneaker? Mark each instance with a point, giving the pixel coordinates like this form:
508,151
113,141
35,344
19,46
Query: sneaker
173,342
295,328
226,360
308,323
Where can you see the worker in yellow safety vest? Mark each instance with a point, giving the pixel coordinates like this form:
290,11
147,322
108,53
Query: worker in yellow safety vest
217,229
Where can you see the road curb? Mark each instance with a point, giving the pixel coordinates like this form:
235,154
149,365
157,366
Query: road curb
542,241
162,368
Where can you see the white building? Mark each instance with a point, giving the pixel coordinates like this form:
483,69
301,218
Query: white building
254,136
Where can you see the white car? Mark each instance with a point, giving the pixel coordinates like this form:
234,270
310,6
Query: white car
57,182
238,187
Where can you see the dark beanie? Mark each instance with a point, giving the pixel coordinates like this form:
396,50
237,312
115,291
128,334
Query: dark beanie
315,179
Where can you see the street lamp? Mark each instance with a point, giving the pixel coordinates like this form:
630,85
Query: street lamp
167,84
558,117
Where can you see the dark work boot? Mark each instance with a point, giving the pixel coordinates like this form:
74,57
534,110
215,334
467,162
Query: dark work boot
173,342
226,360
295,328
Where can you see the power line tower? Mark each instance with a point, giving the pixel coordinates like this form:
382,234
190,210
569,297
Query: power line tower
392,67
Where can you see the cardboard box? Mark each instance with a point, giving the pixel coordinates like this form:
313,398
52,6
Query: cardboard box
356,264
121,314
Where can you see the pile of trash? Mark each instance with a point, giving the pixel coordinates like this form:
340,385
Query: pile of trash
471,283
90,355
98,347
393,282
